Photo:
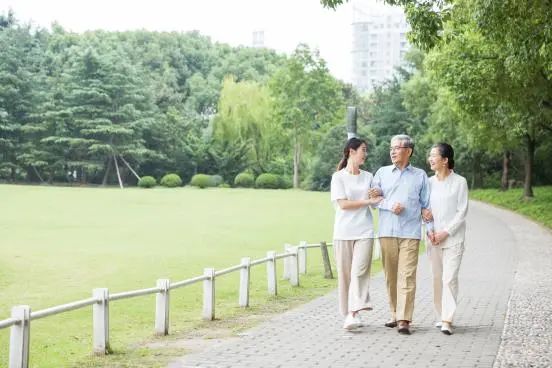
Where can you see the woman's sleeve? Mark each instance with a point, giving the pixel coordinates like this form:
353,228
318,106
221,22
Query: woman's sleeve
337,189
461,208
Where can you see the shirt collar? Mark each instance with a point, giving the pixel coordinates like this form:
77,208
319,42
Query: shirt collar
407,167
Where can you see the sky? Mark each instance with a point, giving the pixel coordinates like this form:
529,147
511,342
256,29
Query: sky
285,23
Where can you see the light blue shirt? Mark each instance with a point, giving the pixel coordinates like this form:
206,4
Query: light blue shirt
410,188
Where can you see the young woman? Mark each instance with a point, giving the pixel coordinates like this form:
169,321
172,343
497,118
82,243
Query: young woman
449,207
353,231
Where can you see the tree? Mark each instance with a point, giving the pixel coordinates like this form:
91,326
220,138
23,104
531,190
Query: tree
245,115
307,101
20,58
496,57
497,91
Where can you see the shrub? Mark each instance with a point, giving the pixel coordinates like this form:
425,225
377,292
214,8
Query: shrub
201,181
216,180
268,181
244,180
286,182
171,181
224,185
147,182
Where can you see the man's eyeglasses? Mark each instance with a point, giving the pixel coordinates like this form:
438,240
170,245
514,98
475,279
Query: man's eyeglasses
396,148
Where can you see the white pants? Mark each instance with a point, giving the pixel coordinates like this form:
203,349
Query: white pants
445,264
353,259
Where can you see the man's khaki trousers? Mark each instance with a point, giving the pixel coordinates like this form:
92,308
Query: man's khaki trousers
400,261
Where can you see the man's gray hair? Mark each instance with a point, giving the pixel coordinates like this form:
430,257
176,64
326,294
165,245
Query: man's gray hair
405,140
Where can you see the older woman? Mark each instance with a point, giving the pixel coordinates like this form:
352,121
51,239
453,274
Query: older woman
449,207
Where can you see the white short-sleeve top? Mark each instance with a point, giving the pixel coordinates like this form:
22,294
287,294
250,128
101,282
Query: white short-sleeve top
351,224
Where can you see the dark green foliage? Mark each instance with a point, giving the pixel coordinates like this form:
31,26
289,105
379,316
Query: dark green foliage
329,153
269,181
286,182
147,182
171,181
74,101
244,180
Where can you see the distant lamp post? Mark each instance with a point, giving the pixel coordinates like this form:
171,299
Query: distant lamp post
351,122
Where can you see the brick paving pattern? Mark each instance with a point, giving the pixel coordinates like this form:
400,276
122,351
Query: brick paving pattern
311,335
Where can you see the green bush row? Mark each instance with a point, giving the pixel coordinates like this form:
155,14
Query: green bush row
242,180
169,181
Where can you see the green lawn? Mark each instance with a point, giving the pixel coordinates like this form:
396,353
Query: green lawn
538,208
57,244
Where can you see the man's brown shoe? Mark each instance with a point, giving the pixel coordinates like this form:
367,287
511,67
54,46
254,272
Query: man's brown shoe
391,324
404,328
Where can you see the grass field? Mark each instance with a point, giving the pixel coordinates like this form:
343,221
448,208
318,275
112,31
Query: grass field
57,244
538,208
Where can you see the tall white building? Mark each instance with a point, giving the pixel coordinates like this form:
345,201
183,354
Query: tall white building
379,42
258,38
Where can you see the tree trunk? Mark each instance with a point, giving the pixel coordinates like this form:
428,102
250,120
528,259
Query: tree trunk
506,158
118,173
107,171
477,181
83,176
529,159
37,174
296,162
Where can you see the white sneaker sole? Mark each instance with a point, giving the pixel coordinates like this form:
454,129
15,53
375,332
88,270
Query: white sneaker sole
352,326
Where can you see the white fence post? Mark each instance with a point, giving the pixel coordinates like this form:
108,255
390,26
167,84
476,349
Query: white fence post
100,316
162,307
377,249
287,264
302,257
271,275
209,294
245,272
19,337
294,267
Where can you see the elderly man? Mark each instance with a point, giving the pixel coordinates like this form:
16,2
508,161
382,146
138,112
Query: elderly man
406,194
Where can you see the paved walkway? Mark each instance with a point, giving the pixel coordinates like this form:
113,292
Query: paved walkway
311,335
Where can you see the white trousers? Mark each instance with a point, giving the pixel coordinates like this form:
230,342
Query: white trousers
353,259
445,264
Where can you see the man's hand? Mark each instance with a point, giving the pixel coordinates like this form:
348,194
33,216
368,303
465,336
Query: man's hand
397,208
441,236
427,215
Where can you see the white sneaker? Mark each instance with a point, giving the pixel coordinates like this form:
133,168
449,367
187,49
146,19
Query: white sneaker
351,322
446,328
438,324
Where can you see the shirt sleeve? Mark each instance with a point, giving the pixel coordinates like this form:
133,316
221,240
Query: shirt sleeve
337,189
461,208
376,183
425,192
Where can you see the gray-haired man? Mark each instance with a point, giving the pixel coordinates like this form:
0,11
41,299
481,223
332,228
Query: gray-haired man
406,193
